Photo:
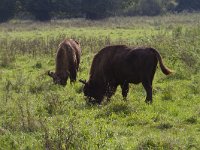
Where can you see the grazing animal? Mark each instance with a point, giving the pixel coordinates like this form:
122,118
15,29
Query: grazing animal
67,62
121,65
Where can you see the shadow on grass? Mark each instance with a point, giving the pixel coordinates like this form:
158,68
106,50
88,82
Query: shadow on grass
120,108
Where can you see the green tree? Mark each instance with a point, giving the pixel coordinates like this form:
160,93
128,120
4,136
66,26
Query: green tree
189,5
7,10
169,5
41,9
20,6
149,7
67,8
131,7
99,9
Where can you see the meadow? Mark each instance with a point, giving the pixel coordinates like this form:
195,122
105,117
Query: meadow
36,114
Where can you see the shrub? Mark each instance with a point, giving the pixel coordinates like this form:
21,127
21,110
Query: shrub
149,7
40,9
7,10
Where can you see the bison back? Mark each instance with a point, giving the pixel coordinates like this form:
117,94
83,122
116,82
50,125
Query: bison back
121,63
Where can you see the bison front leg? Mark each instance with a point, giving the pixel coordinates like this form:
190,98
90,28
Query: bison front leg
125,89
148,87
110,92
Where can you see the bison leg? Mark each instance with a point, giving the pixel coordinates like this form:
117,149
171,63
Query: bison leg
73,73
125,89
148,87
99,100
110,92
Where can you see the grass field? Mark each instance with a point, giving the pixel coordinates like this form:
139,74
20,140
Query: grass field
36,114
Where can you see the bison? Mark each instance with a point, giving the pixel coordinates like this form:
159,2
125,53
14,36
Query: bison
67,62
121,65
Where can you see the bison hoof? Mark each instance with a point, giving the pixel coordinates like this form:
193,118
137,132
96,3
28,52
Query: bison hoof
125,99
148,102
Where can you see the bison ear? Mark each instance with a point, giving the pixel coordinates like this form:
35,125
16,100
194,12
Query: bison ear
51,74
83,81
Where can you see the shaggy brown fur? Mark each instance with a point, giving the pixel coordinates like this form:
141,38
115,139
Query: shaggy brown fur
121,65
67,62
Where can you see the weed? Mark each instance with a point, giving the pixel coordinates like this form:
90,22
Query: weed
52,103
177,32
192,120
6,60
156,144
194,85
65,136
168,93
38,65
164,126
119,108
7,88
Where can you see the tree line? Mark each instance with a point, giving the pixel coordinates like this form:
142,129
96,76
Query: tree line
44,10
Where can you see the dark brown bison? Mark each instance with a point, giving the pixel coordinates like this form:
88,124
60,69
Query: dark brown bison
67,62
121,65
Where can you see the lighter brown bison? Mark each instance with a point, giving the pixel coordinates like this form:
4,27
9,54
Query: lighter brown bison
67,62
121,65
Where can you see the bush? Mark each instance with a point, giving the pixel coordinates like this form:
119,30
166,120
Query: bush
149,7
7,10
40,9
98,9
189,5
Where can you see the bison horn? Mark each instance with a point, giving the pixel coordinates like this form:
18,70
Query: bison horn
77,42
51,74
82,81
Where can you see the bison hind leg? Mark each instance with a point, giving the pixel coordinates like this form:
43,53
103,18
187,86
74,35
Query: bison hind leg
148,87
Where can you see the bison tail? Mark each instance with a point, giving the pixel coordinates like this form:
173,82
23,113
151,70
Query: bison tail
164,69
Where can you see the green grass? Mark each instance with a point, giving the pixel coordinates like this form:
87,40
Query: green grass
36,114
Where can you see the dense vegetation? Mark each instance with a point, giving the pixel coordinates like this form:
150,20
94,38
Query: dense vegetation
44,10
36,114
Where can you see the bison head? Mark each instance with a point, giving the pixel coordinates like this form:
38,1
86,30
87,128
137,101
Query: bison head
59,78
92,91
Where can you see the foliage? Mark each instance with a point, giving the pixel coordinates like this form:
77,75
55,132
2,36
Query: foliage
189,5
67,8
40,9
149,7
98,9
44,10
7,10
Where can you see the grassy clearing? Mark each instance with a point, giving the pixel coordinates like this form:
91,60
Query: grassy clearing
36,114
